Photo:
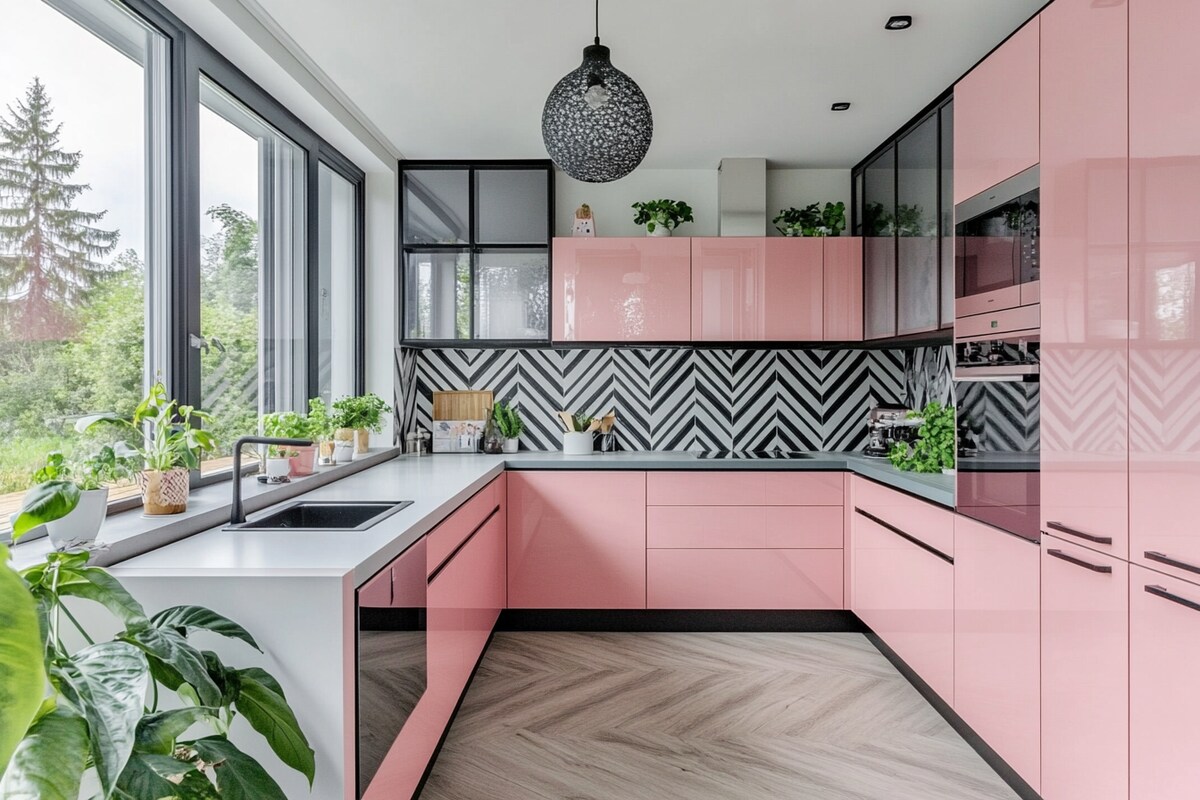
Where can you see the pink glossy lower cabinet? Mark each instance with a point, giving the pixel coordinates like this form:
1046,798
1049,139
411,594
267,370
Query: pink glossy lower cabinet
1085,673
622,290
577,539
1164,694
842,320
454,530
744,527
799,488
905,594
997,643
744,579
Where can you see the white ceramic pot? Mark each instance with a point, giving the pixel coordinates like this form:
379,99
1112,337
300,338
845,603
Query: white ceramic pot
512,445
343,451
278,468
659,230
83,524
577,443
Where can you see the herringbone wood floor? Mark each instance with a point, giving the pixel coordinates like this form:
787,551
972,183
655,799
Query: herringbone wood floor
643,716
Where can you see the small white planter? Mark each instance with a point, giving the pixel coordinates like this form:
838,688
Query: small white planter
659,230
512,445
343,451
82,525
278,469
577,443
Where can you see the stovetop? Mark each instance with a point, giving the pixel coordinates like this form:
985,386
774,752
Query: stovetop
753,454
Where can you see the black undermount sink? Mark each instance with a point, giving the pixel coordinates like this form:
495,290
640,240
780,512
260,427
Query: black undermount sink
324,515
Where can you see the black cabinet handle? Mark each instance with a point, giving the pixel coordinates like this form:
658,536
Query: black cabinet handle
1174,598
1079,562
1058,526
906,536
1162,558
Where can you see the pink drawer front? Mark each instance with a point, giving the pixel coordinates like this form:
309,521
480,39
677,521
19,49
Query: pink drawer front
985,326
744,527
932,524
454,530
749,488
377,592
744,579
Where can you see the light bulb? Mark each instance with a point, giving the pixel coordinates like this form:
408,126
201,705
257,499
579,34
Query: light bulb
596,96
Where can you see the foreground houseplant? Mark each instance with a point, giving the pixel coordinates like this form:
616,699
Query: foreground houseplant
812,220
357,417
171,447
508,421
119,713
661,216
934,448
82,489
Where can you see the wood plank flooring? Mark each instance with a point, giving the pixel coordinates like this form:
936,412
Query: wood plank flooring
700,716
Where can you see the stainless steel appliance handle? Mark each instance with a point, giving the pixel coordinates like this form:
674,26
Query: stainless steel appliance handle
1058,526
1159,591
1079,562
1162,558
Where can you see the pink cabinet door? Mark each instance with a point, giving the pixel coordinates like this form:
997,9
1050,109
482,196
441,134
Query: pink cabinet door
996,116
842,319
932,524
997,642
622,290
1164,695
1164,112
1085,673
454,530
577,539
1085,319
905,594
744,579
798,488
377,592
744,527
791,295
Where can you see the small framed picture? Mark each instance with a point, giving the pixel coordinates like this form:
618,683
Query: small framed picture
457,435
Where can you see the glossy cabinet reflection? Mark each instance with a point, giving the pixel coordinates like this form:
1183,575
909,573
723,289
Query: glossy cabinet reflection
1084,290
917,267
842,319
622,290
879,246
1164,115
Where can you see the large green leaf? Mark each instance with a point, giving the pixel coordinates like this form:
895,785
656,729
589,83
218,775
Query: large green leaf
269,714
157,777
44,503
96,584
156,733
49,763
189,619
107,683
174,651
239,777
263,677
22,675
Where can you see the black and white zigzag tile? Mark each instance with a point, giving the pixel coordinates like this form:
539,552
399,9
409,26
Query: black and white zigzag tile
929,376
800,407
754,400
631,380
712,405
540,398
405,391
672,392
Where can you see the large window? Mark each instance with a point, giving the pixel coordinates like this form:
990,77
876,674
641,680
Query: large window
161,218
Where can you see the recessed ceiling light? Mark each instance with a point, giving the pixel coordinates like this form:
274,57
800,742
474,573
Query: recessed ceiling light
898,23
842,106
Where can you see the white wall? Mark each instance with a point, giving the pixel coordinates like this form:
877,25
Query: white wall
610,202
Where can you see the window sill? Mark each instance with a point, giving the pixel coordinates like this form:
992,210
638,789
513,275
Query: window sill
131,533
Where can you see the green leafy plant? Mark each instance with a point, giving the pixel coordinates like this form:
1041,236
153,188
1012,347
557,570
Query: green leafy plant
812,220
169,439
934,448
910,220
100,708
667,213
103,468
320,422
288,425
356,413
877,221
508,420
582,421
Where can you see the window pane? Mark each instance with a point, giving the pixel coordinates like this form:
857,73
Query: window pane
336,314
511,295
252,308
511,206
437,295
437,206
82,167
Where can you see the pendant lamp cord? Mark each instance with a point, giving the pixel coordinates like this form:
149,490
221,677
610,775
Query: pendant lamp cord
597,21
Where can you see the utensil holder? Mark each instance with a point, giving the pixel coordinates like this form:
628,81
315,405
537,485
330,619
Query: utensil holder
577,443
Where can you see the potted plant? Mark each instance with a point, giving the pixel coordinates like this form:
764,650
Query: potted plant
321,429
297,461
934,448
171,447
510,424
356,417
146,714
81,488
661,216
812,220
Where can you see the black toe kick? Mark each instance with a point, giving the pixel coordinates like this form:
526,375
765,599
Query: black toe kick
679,621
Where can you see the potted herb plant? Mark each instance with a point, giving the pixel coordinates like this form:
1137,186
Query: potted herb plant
80,488
509,422
662,216
356,417
298,461
934,448
812,220
146,714
321,430
170,448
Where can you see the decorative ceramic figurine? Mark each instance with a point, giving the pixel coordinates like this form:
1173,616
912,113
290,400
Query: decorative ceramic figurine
584,224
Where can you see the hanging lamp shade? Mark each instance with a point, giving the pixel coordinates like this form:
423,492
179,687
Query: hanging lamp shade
597,123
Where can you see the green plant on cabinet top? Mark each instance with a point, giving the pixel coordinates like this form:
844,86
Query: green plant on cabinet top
668,214
812,220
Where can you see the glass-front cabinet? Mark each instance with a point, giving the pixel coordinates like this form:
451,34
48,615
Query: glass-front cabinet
917,228
879,246
476,244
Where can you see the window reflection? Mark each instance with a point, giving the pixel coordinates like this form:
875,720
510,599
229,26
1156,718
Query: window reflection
1174,299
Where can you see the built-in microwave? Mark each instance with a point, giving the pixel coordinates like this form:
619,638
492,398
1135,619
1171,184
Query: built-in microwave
996,250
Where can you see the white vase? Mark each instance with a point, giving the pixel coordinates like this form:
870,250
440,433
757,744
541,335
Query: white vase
659,230
577,443
82,525
278,469
512,445
343,451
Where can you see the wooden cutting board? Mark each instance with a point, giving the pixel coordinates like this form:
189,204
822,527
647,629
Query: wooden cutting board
462,405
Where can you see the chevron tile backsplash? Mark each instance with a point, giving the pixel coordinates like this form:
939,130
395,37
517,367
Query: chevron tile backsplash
683,398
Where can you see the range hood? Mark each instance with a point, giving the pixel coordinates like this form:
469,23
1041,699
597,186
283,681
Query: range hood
742,197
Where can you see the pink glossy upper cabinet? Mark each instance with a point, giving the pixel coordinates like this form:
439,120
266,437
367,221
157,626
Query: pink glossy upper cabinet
792,294
1084,213
1164,378
996,116
997,642
842,319
1085,673
1164,695
622,290
577,539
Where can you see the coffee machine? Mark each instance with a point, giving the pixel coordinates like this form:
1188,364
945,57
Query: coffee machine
886,425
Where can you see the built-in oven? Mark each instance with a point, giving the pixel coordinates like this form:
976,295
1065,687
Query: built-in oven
996,249
392,656
999,439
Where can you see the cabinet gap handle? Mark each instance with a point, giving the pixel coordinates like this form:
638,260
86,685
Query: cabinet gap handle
1058,526
1159,591
1163,558
1079,562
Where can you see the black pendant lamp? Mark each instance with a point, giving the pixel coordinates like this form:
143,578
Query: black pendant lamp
597,123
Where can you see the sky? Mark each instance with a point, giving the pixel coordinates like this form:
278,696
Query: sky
98,95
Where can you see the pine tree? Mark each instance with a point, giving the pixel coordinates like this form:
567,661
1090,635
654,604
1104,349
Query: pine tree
49,250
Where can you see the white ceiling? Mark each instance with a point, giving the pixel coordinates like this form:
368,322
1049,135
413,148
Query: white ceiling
468,78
